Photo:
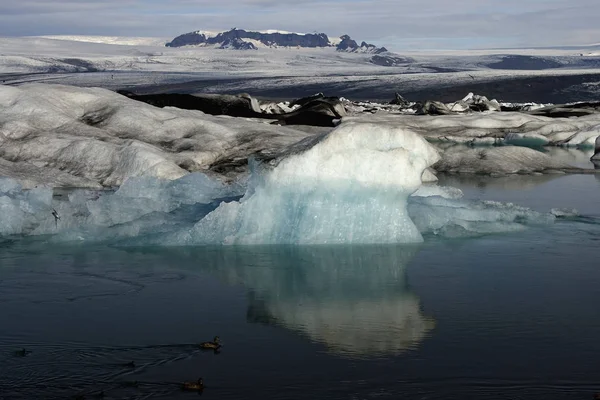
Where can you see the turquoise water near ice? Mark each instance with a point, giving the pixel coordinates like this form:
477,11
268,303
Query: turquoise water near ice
500,316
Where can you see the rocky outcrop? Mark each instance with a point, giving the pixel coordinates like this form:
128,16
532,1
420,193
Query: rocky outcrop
237,44
390,60
316,110
268,39
240,39
349,45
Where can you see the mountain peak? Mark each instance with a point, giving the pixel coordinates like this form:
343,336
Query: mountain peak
240,39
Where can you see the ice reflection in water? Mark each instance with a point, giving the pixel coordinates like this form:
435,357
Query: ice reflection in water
355,300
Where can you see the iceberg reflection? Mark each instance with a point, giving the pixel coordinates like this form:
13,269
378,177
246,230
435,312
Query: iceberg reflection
355,300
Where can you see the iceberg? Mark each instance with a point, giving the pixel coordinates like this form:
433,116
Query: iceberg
359,184
65,136
351,187
354,187
140,206
452,217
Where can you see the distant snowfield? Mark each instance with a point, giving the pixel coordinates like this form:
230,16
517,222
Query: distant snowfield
118,40
76,54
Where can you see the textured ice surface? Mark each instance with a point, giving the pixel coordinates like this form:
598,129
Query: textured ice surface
350,187
20,211
353,188
496,160
140,205
447,217
496,127
89,137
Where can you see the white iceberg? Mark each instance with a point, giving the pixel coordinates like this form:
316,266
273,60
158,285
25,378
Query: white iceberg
351,187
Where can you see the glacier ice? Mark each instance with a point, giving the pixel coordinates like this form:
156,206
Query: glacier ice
351,187
455,217
516,127
21,211
90,137
354,187
497,160
361,183
140,205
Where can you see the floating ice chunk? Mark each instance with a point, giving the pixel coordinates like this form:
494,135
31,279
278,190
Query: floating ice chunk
584,139
526,139
429,176
459,218
496,160
351,187
446,192
564,212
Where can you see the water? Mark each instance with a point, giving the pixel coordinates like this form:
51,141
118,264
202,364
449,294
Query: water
511,316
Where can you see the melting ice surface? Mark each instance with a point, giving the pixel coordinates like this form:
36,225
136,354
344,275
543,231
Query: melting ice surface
360,184
352,187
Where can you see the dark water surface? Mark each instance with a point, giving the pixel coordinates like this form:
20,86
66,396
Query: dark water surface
510,316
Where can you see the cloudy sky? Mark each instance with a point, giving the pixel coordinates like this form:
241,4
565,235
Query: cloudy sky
397,24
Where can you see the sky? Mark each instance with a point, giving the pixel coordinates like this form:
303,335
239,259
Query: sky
396,24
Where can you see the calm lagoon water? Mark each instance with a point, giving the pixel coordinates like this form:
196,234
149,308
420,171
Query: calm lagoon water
511,316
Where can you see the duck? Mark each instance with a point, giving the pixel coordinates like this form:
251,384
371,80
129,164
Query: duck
130,364
214,345
597,396
197,386
22,353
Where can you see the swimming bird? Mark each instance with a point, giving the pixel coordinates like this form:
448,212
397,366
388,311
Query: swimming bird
130,364
197,386
22,353
215,344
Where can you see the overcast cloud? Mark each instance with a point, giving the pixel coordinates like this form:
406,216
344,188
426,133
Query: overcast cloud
396,24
